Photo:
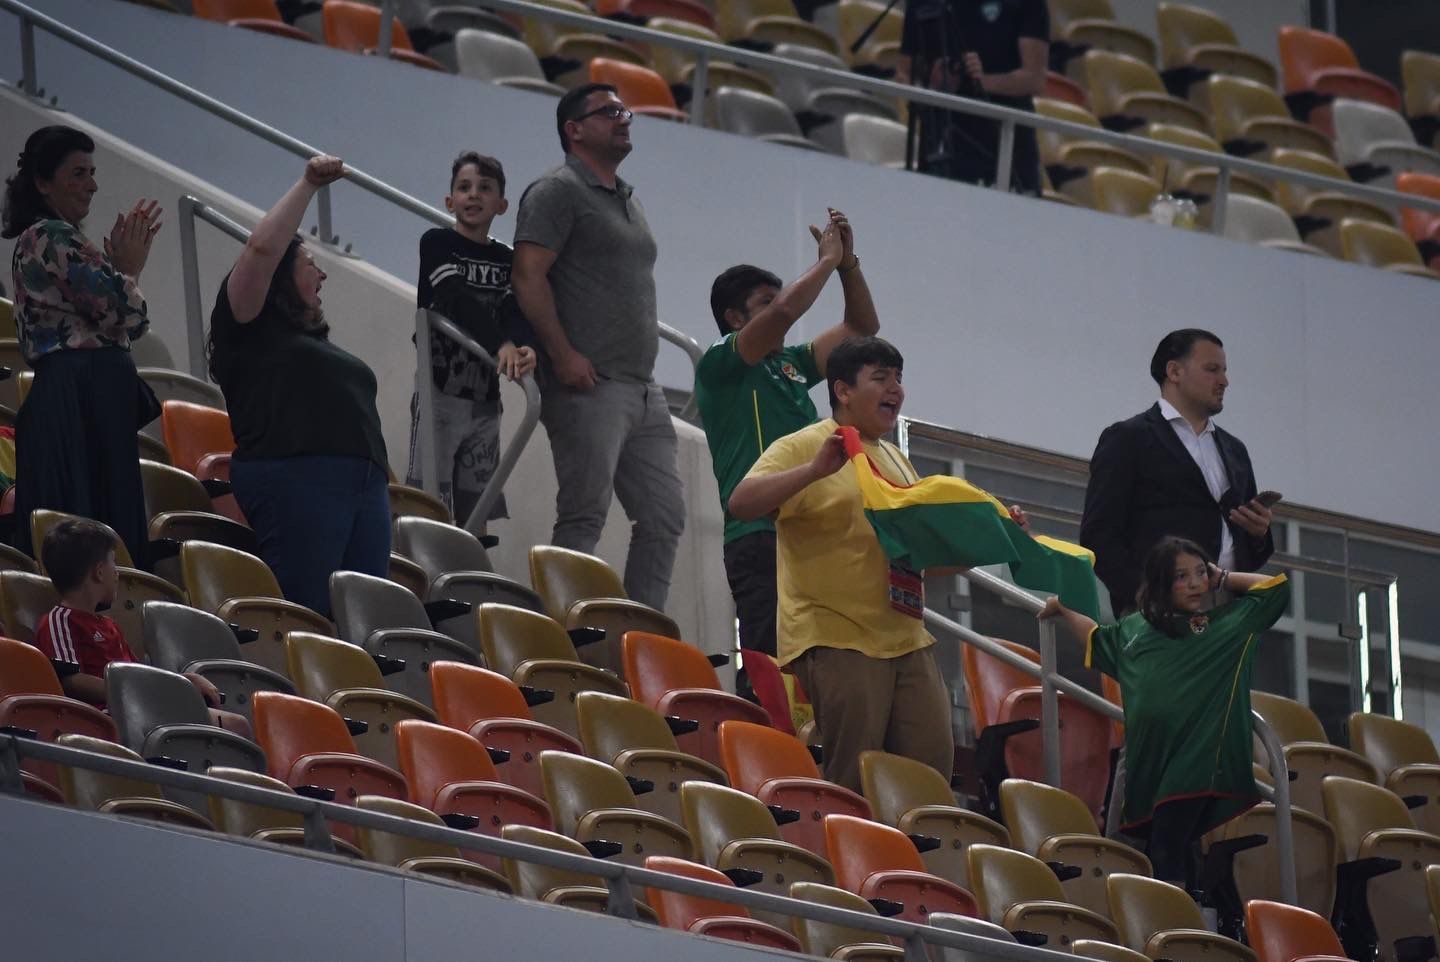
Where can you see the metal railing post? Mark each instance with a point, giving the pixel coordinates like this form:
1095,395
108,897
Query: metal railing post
317,832
620,897
323,221
387,25
28,81
1005,161
1220,201
1392,615
1049,705
190,273
915,950
699,82
10,778
425,401
1284,829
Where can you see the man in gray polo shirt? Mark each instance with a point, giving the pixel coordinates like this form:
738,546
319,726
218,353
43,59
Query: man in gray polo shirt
584,277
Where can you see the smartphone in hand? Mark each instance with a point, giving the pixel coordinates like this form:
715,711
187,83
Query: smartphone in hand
1269,498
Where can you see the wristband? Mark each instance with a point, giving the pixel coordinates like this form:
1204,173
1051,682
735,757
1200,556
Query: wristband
845,270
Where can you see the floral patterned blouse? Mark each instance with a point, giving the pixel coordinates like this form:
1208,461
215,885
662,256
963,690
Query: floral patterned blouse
68,295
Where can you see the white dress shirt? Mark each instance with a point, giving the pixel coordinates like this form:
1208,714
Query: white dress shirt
1206,455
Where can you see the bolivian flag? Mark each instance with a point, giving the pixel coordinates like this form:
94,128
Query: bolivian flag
944,521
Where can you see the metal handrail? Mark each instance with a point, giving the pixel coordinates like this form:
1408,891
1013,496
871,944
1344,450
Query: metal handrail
621,880
692,348
425,320
1052,683
1008,117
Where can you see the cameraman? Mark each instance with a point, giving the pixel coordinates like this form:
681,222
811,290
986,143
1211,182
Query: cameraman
993,50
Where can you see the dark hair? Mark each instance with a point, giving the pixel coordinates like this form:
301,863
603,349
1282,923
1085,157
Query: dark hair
44,152
1176,346
572,105
487,165
72,548
852,354
282,300
1157,583
733,288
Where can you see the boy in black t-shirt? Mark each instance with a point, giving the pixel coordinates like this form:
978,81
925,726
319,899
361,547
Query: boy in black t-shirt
465,276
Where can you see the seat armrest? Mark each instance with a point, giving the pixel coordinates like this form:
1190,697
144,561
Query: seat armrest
744,877
388,665
460,820
682,726
357,726
244,635
925,843
443,609
216,487
580,637
783,816
718,660
1033,939
318,792
537,696
17,732
886,907
498,756
640,786
165,761
602,848
1065,872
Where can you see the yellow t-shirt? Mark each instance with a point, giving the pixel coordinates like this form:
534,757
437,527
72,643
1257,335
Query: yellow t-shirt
833,576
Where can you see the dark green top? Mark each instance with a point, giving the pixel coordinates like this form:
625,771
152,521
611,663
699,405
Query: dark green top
290,393
745,407
1187,703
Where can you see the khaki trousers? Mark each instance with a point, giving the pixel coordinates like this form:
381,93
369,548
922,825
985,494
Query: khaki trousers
899,705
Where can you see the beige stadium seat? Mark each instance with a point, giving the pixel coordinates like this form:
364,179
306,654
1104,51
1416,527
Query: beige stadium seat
1066,161
755,115
678,66
1245,111
1122,86
822,107
1367,133
1091,24
499,59
852,18
1379,245
1123,192
1319,205
1420,72
1261,222
1194,37
874,140
770,21
1199,179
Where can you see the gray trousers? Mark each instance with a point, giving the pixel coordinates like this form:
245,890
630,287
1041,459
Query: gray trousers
617,439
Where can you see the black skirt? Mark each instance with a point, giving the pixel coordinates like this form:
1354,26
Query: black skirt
75,446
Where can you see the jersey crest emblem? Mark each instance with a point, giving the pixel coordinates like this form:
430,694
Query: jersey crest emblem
793,373
1198,624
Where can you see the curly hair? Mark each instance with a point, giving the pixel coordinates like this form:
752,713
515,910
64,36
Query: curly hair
283,301
45,150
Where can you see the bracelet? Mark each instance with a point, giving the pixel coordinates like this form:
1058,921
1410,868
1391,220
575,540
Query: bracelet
845,270
1224,579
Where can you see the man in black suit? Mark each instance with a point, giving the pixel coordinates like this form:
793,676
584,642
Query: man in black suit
1172,471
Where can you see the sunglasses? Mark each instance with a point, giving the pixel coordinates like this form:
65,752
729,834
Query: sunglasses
609,111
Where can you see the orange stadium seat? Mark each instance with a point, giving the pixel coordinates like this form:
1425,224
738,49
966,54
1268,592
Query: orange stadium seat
32,699
356,27
1423,226
1286,933
643,90
1322,63
704,915
878,862
261,15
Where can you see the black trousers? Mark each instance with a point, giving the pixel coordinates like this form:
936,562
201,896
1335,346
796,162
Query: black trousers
1175,828
750,569
75,446
972,150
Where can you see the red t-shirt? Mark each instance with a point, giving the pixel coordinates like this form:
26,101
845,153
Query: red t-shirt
90,640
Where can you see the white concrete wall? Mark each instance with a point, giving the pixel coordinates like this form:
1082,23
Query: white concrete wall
1020,320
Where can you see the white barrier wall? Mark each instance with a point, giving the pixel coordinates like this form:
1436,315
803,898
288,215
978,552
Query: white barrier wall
1020,320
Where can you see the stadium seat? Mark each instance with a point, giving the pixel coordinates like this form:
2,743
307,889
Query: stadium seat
873,140
542,35
356,27
638,11
596,805
643,90
181,638
407,501
1256,871
820,106
777,769
198,440
12,559
753,114
310,748
1123,192
769,684
1260,222
153,450
703,915
261,822
533,650
24,599
558,886
770,22
95,791
1002,697
346,678
11,357
1405,760
735,833
501,59
171,385
452,775
1287,933
1060,87
408,575
1423,226
1055,826
1067,161
1372,822
1251,119
1308,753
1163,922
240,589
580,49
159,715
452,18
387,620
675,678
1019,892
1321,63
1200,39
1376,136
260,15
1420,72
1091,24
1198,180
1379,245
677,66
916,799
639,743
32,699
878,862
7,318
417,855
1105,951
1127,93
492,709
1315,206
835,940
881,49
180,510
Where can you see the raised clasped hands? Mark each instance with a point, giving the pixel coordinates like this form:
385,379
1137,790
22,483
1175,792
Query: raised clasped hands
830,241
128,246
323,169
515,362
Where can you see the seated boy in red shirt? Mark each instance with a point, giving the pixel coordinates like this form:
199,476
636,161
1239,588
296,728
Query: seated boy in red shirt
79,556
